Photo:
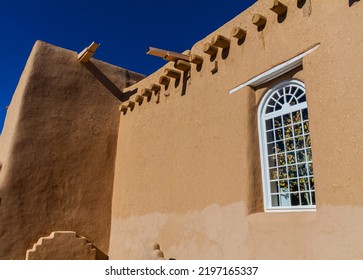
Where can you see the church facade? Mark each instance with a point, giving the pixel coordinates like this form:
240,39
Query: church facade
247,146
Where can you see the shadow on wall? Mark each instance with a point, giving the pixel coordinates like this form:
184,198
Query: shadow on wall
100,255
127,94
301,3
104,80
281,18
352,2
186,77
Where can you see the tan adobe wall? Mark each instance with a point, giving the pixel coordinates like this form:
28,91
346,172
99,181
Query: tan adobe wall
58,151
187,167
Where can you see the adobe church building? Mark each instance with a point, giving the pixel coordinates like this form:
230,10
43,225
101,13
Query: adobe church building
248,146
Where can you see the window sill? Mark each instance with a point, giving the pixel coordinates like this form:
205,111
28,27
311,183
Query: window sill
289,209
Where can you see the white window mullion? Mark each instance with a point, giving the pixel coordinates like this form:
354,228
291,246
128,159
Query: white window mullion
291,192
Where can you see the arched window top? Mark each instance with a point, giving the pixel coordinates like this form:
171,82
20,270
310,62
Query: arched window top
285,95
285,144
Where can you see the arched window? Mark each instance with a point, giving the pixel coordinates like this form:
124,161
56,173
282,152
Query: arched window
286,156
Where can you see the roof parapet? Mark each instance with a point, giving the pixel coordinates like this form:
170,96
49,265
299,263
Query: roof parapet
207,53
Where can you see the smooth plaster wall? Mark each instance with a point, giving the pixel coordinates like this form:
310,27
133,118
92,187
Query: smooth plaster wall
58,150
188,169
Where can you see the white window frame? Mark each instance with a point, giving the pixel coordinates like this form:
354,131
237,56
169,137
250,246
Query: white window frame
262,116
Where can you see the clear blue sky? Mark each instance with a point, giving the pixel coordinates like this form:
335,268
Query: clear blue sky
125,30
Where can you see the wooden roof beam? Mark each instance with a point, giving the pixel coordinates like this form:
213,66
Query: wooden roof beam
167,55
88,52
